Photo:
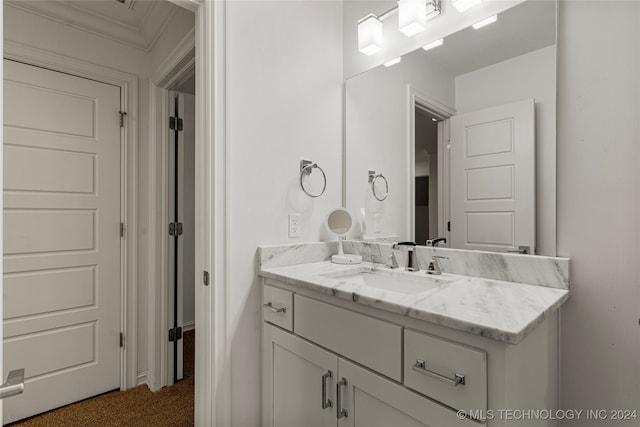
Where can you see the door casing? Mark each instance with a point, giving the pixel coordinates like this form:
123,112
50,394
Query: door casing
212,395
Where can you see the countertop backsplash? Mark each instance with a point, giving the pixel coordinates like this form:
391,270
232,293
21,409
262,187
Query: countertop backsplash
528,269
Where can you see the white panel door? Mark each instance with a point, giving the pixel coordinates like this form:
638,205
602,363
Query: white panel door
61,237
493,178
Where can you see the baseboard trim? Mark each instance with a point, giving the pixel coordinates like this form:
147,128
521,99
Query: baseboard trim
142,378
190,326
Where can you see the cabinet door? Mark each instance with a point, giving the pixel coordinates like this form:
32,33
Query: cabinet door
372,401
294,373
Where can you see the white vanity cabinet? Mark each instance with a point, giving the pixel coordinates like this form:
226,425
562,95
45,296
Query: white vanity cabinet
331,362
305,385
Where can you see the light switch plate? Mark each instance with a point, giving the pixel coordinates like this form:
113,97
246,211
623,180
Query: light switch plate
294,225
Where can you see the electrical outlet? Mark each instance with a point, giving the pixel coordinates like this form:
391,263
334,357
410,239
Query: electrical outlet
294,225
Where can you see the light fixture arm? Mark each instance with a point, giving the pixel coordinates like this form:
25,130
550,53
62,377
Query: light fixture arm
394,10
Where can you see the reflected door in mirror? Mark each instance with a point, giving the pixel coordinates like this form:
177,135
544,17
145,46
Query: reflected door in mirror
493,178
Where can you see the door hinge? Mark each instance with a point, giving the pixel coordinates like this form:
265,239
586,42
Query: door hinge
175,334
205,278
175,123
122,339
122,116
175,229
122,229
448,225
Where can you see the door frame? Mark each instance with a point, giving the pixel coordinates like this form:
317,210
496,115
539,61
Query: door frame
128,84
212,352
415,98
178,61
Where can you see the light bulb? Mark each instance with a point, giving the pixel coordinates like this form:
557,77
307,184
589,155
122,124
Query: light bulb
412,16
369,34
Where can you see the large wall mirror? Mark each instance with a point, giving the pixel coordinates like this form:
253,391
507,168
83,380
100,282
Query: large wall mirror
465,134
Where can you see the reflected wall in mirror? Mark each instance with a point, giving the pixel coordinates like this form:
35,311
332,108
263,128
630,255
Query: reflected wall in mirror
466,135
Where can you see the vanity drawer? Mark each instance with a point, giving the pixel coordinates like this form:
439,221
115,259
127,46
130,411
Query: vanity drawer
433,366
374,343
277,307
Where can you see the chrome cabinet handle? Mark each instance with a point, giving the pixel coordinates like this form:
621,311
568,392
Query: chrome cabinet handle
14,384
340,411
326,403
420,367
270,306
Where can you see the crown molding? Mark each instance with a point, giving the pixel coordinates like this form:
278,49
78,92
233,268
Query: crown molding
66,13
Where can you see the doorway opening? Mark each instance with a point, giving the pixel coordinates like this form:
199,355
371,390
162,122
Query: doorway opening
429,169
426,176
181,209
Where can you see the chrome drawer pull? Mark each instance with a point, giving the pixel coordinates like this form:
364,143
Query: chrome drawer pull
326,403
421,367
270,306
340,411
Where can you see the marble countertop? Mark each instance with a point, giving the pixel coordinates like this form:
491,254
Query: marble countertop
501,310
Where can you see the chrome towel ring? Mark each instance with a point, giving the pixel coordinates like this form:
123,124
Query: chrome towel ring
306,168
373,177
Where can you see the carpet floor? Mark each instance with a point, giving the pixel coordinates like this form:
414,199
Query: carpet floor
170,407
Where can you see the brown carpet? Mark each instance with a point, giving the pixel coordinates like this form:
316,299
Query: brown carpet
170,407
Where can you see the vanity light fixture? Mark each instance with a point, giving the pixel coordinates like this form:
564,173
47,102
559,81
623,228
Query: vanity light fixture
433,44
485,22
412,19
464,5
369,34
394,61
414,14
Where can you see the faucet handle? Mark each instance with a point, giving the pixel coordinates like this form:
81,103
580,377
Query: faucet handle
434,265
393,261
436,242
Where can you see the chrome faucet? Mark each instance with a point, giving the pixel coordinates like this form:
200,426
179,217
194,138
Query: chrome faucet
411,261
393,260
437,241
434,265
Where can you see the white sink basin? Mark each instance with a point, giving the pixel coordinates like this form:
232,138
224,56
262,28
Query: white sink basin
404,282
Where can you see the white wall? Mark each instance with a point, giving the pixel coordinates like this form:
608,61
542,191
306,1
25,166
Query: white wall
377,108
532,75
599,204
284,82
395,43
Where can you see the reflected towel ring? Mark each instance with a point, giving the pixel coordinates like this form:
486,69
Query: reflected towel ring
373,177
306,167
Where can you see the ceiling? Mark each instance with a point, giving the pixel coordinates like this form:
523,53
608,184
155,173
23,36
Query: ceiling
524,28
137,23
